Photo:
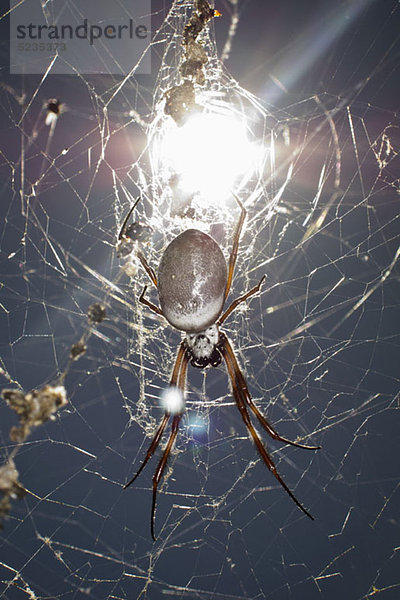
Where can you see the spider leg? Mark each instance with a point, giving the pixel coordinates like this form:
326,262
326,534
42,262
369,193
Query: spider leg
149,270
149,304
160,469
178,379
240,399
161,428
241,299
174,431
235,246
122,231
249,401
152,447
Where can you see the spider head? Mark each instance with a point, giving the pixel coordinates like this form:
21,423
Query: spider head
202,347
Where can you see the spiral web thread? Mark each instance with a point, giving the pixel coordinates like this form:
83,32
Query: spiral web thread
318,347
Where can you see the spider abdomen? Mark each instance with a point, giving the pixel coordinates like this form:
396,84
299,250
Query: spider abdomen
192,278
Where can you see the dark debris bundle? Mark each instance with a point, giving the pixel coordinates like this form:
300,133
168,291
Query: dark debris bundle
198,20
180,99
10,488
33,408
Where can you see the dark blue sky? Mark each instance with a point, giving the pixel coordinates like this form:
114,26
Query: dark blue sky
319,347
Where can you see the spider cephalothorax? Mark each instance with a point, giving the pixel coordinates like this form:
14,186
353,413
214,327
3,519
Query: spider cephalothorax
203,349
193,283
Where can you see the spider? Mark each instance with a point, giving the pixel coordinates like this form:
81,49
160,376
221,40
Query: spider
193,283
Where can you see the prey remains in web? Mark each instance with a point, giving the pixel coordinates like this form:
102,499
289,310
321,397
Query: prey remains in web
193,283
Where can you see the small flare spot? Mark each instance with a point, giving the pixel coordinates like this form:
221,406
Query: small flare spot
173,401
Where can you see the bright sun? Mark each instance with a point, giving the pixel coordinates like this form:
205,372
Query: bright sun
211,153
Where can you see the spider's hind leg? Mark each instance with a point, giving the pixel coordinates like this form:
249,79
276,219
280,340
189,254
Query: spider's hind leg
129,234
149,304
149,270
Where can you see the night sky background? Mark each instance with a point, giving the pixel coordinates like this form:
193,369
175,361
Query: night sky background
320,357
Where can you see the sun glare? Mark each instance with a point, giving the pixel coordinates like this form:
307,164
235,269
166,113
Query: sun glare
211,153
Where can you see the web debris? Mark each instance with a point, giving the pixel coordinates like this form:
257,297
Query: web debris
318,347
35,408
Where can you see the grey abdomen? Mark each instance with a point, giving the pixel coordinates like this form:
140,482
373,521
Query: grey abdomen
192,278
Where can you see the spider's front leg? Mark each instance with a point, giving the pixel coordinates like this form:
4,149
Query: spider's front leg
243,398
178,379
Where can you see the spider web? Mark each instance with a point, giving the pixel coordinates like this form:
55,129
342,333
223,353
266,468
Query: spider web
318,345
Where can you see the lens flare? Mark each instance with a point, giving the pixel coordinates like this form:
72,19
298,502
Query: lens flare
198,425
173,401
